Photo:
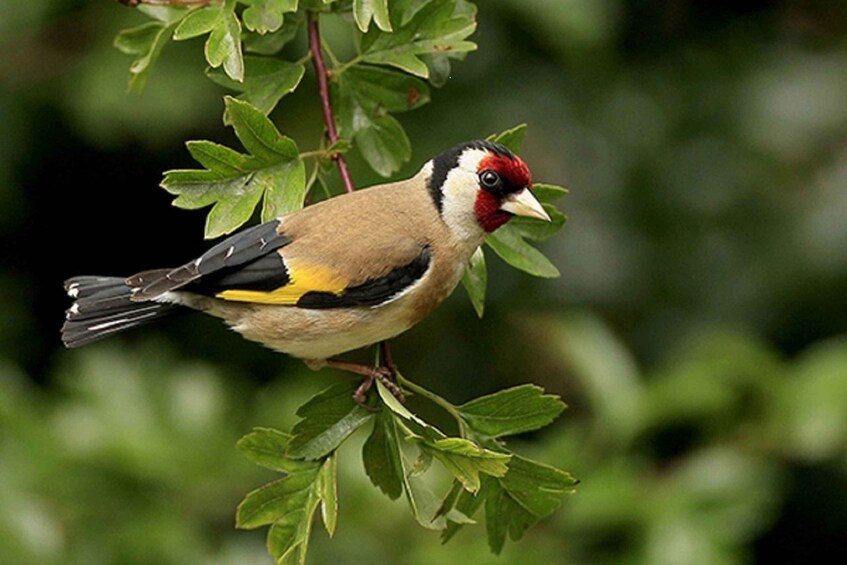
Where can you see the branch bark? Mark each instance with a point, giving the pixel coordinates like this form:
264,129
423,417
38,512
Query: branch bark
326,104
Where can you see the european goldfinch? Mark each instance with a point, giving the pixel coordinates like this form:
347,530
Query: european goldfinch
338,275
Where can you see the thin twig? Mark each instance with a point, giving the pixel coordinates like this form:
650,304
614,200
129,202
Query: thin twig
431,396
326,105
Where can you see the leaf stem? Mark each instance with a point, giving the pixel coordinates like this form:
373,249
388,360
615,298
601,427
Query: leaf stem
326,105
344,66
432,397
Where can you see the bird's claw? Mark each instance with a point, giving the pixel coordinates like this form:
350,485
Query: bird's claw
384,375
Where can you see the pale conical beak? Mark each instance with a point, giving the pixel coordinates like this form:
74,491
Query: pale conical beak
524,203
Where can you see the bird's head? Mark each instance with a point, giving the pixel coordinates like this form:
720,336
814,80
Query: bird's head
478,186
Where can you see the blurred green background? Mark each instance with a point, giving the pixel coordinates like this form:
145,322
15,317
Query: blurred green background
698,332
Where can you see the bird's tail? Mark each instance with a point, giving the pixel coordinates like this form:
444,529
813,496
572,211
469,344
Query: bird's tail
103,306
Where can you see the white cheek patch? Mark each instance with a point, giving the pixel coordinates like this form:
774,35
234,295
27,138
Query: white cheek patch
460,191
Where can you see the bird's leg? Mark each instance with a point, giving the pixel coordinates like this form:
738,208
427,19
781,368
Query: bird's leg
385,374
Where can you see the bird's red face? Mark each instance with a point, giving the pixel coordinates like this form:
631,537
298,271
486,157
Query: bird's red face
501,176
478,186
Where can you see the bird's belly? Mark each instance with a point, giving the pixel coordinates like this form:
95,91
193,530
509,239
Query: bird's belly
322,333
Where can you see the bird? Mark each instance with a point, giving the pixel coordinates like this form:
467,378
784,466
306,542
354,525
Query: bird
341,274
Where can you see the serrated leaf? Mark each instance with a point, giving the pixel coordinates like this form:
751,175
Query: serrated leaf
199,22
234,183
216,157
512,138
266,447
288,537
381,456
374,91
145,41
439,26
508,244
257,133
263,16
475,280
366,10
365,95
465,460
384,145
526,494
537,487
327,420
223,48
512,411
266,81
504,516
276,500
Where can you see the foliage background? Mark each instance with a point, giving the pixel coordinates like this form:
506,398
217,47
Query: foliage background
697,332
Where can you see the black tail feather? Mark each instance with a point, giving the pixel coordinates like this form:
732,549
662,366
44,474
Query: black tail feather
103,306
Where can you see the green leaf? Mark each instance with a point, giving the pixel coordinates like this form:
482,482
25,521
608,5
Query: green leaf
512,138
263,16
412,7
266,81
327,488
512,411
396,407
465,504
234,183
537,487
423,503
145,41
327,420
288,537
504,516
266,447
475,281
547,192
276,500
535,230
526,494
224,44
271,43
164,14
510,246
257,133
384,145
466,460
381,456
199,22
530,228
364,97
366,10
439,26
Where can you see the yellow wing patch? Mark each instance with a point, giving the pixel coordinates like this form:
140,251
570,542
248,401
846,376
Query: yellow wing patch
304,278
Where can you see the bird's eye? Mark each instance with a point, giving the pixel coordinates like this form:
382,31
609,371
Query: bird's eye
489,179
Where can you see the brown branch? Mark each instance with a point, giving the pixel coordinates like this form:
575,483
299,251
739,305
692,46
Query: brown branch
326,105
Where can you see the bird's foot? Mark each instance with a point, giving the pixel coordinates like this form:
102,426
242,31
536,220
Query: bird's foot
385,375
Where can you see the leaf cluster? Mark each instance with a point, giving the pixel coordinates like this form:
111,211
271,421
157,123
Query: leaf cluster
513,491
